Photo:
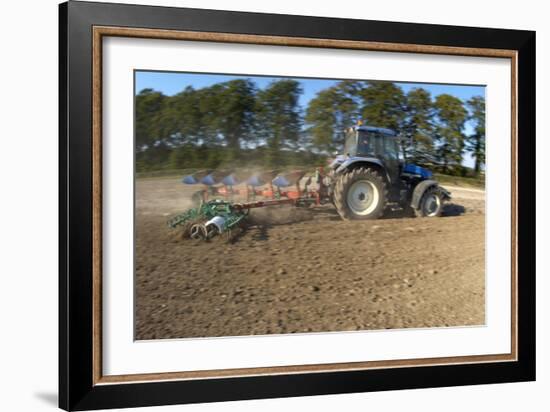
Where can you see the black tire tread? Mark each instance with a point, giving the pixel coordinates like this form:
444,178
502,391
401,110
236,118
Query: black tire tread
345,180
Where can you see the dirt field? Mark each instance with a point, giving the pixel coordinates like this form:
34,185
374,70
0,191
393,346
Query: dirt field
305,270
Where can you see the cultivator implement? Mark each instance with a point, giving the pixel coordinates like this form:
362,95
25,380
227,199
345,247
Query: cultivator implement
209,219
228,196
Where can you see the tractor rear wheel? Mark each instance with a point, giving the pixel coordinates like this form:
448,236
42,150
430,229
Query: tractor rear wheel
360,194
431,203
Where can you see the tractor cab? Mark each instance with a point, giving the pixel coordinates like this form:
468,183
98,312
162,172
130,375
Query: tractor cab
385,146
376,143
371,141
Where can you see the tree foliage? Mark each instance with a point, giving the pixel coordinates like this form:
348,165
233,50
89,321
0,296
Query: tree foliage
418,126
235,122
331,112
228,111
475,143
383,104
278,117
149,107
450,116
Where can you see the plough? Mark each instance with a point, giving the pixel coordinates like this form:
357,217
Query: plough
219,209
366,179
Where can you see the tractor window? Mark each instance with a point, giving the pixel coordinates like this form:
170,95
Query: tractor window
391,148
378,145
365,143
371,143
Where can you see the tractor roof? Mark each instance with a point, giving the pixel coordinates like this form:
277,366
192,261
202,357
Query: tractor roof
376,129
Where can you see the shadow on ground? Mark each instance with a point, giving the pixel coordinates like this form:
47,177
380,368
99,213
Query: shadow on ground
260,222
452,209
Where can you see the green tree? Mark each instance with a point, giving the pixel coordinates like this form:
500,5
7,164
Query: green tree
475,143
149,105
184,157
383,105
278,117
330,112
152,146
450,117
227,113
178,121
417,126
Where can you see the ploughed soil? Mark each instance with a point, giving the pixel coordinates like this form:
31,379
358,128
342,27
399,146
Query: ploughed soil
296,270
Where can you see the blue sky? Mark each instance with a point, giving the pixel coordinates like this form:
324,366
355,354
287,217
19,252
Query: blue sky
170,83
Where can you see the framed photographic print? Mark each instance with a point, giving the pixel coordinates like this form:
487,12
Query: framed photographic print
256,205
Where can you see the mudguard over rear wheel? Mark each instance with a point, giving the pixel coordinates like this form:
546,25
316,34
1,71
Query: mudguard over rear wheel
360,194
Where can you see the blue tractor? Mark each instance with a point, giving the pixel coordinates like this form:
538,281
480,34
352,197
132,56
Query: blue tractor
371,176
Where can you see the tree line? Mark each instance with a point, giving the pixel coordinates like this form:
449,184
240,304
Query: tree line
235,123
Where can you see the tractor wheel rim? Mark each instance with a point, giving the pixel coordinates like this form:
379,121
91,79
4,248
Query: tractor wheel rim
362,197
431,205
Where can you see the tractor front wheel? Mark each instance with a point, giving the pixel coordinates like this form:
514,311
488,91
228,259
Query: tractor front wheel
360,194
431,203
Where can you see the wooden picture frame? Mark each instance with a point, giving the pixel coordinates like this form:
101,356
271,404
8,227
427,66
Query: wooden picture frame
83,25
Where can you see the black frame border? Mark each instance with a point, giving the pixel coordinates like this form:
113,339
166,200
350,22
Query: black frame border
76,388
